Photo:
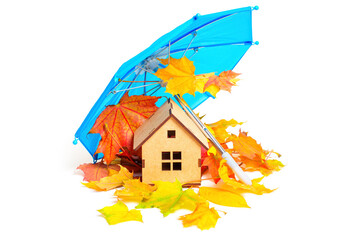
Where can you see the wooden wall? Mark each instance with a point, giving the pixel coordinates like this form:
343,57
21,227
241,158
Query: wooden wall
152,155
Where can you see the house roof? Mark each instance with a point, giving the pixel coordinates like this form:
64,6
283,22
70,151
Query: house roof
168,110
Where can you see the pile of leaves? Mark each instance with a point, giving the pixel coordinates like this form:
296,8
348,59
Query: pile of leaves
117,124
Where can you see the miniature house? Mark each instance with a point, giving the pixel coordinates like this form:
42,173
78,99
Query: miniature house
170,143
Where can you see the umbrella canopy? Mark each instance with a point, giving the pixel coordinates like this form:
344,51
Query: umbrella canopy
214,42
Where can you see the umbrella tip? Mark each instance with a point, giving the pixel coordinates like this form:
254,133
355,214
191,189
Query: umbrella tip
256,42
196,16
75,141
256,8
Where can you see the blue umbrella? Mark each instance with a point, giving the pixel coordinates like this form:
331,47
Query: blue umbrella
214,42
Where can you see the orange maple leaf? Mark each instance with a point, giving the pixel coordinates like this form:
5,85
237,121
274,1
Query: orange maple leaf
246,146
252,156
225,81
212,162
117,123
94,172
233,185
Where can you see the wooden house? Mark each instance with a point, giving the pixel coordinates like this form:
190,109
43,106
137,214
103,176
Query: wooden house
170,143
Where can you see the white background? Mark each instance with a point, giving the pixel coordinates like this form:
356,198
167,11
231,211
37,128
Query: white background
299,95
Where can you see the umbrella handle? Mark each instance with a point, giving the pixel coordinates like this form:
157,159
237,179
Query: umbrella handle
239,173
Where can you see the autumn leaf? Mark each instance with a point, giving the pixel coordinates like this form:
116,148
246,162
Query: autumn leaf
264,166
164,61
170,197
218,129
129,162
119,212
252,156
201,80
204,154
274,165
222,197
260,189
212,161
110,182
180,77
203,217
94,172
225,81
237,186
134,190
117,124
246,146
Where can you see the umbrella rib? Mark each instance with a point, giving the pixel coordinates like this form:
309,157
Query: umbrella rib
131,88
194,35
129,74
138,81
169,52
195,52
120,81
207,24
213,45
155,91
144,69
195,30
144,81
131,82
150,89
196,49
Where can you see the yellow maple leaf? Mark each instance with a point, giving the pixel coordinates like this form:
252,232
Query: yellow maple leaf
265,167
92,185
200,81
218,129
203,217
212,89
110,182
134,190
119,212
237,186
222,197
274,165
180,77
170,197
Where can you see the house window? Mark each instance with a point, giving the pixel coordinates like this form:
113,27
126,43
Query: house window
166,166
171,133
171,161
176,155
165,155
177,166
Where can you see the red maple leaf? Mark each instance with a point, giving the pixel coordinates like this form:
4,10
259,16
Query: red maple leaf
117,124
94,172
